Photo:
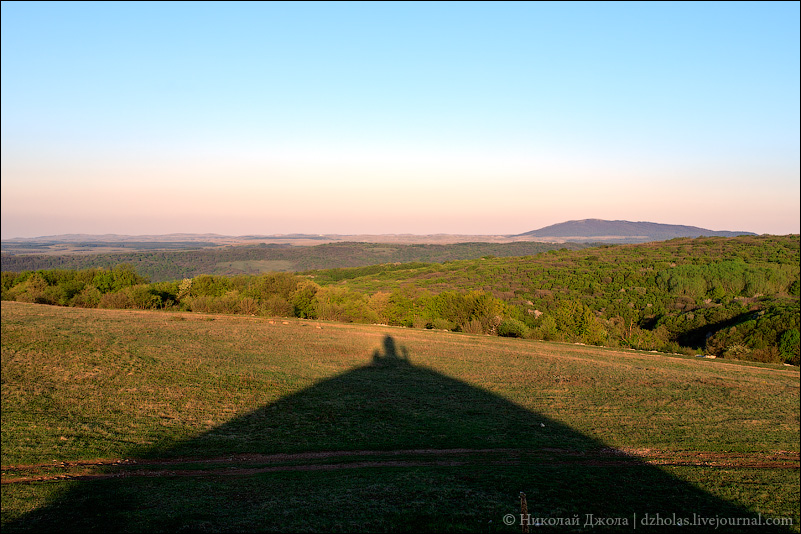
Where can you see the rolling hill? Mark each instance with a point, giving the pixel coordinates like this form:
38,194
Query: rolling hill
621,231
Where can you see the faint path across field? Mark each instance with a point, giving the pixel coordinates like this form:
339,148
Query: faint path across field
248,464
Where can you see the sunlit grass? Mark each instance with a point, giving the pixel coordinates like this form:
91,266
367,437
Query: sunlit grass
101,384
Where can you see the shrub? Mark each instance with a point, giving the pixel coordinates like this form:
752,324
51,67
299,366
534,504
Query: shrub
339,304
304,300
547,328
248,306
443,324
421,322
184,289
88,298
38,290
143,298
736,351
472,327
119,277
399,309
790,346
794,289
512,328
277,306
118,301
9,279
267,285
227,303
209,286
766,355
379,303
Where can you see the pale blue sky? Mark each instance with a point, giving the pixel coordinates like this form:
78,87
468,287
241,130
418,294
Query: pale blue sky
490,118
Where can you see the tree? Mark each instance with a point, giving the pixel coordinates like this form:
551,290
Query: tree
790,346
304,301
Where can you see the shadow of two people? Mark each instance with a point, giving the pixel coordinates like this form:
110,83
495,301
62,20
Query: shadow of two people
467,453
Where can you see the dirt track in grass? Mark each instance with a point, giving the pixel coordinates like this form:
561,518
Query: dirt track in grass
249,464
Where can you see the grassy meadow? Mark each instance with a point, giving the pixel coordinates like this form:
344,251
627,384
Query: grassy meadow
137,421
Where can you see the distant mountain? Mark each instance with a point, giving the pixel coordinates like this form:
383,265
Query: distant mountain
621,231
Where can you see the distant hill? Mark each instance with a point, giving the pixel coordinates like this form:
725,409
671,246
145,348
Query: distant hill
621,231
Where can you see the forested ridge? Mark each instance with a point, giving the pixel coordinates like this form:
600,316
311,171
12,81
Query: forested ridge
730,297
160,266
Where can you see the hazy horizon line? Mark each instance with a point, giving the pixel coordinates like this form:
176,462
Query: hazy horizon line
341,234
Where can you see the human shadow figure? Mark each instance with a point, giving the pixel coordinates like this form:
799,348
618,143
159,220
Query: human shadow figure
391,356
386,446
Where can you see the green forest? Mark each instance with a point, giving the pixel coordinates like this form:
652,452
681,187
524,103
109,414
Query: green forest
162,266
728,297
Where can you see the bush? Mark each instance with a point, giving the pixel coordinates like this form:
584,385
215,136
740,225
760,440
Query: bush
248,306
339,304
399,309
443,324
118,301
421,322
274,284
9,280
277,306
304,300
379,303
88,298
472,327
118,278
143,298
512,328
228,303
737,352
766,355
547,328
794,289
790,346
207,285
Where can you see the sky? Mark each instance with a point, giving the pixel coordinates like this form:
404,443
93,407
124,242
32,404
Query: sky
378,118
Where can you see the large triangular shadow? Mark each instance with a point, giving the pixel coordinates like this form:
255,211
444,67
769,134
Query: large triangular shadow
371,436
